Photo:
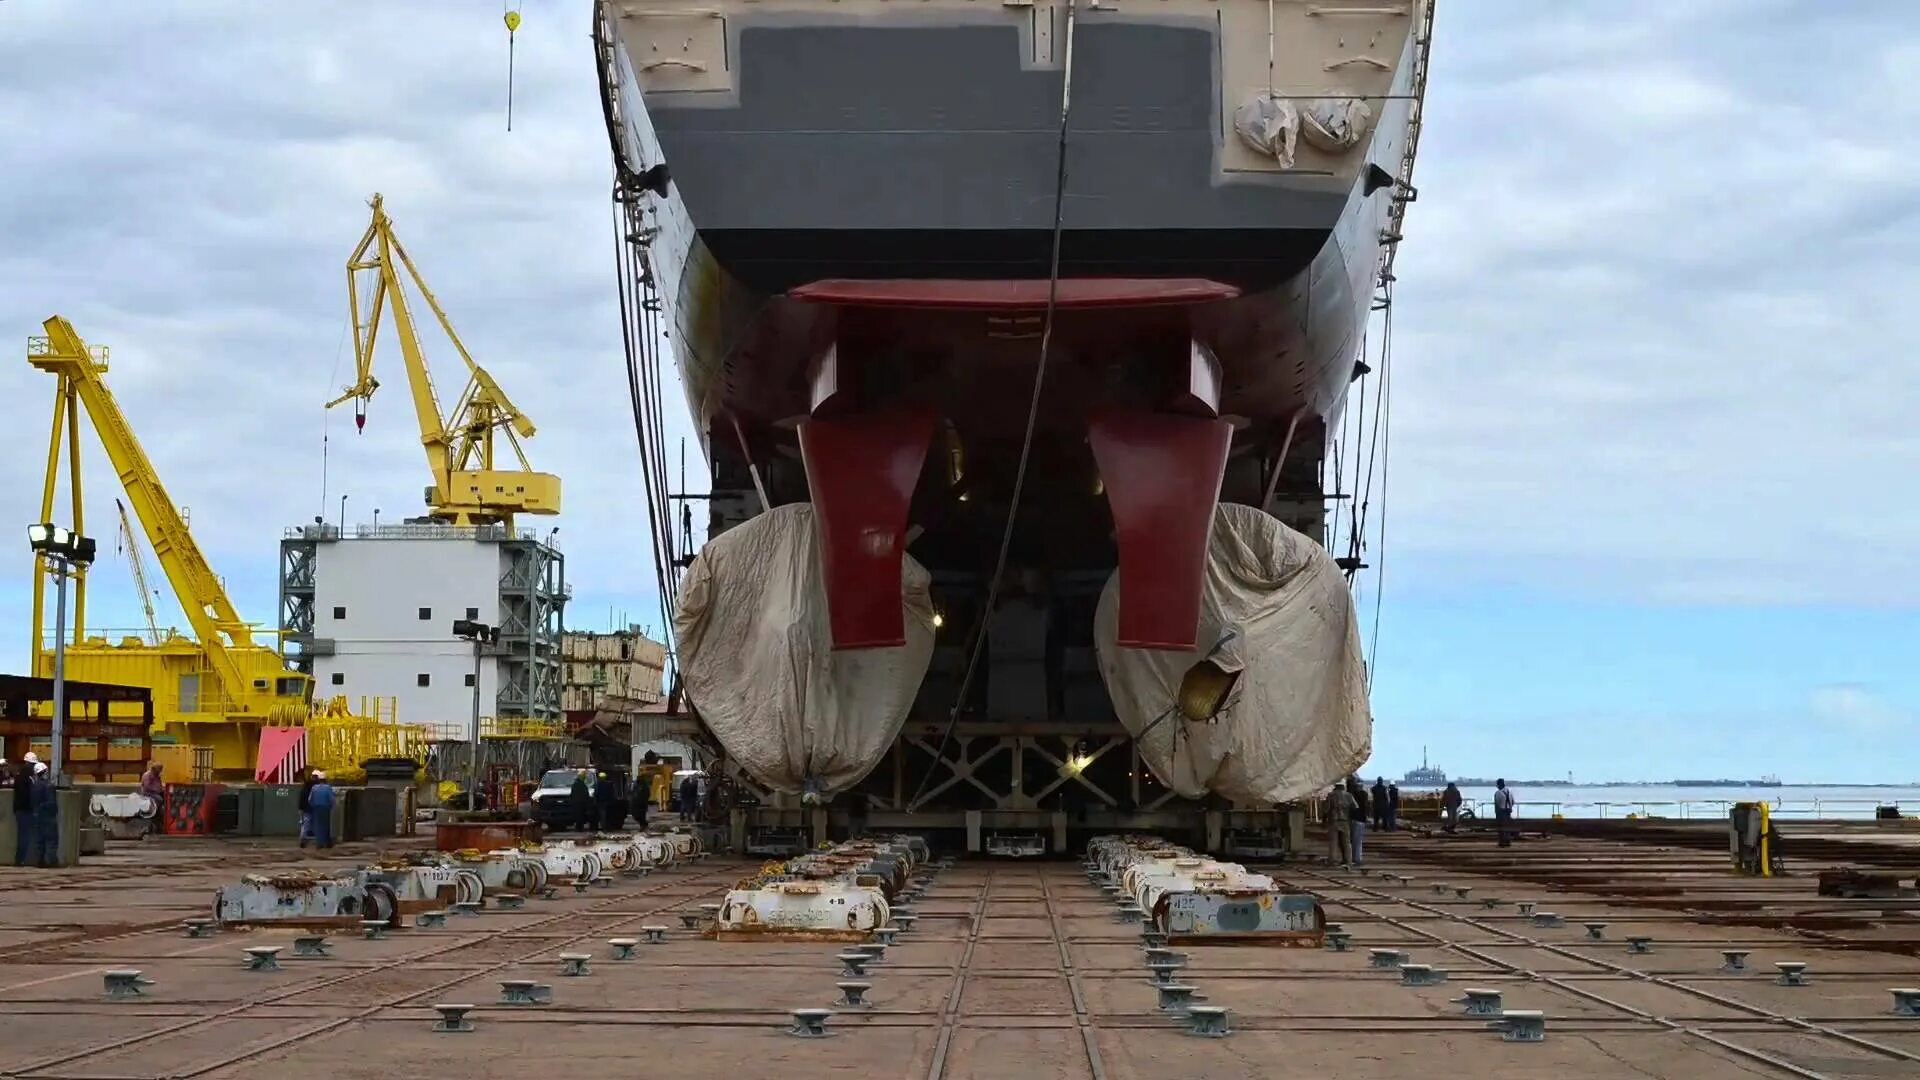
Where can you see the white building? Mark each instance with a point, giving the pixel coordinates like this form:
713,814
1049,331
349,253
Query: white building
371,613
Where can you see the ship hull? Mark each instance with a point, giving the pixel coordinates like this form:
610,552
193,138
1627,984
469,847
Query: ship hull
859,231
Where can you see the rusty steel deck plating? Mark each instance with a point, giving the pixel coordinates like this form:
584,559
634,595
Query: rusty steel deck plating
1010,970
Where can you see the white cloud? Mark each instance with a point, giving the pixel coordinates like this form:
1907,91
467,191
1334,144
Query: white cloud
1664,361
1858,710
187,188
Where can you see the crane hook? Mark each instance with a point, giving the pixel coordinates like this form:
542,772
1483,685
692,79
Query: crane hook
360,414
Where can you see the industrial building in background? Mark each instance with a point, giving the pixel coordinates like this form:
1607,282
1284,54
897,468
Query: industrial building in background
373,606
623,671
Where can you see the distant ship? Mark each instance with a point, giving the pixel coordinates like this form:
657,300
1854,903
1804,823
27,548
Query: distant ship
1426,774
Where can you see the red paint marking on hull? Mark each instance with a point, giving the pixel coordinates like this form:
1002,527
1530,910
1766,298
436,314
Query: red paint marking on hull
1162,475
861,472
956,293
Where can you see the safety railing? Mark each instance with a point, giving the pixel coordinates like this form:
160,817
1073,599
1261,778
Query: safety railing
1809,809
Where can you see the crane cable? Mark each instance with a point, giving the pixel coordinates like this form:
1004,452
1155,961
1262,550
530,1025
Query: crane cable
1385,412
979,635
510,16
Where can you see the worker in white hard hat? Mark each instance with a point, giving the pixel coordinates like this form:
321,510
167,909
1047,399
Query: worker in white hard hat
24,845
46,818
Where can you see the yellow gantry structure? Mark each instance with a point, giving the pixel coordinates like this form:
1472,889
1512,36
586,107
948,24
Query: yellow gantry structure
467,488
215,689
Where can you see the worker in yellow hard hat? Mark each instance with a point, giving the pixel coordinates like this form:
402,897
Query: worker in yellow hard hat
610,809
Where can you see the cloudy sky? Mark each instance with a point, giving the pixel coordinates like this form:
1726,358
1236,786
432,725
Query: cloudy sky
1650,507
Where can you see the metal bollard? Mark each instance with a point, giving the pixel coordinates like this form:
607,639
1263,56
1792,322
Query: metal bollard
1733,959
1154,938
656,935
1421,975
623,947
453,1018
1339,941
1130,913
1481,1002
201,928
466,909
874,950
373,929
1440,888
810,1023
1597,931
124,983
263,958
507,901
1547,918
1208,1021
1157,954
1490,902
710,912
580,887
1175,997
690,920
574,963
853,965
1163,970
1521,1025
524,992
1639,944
310,945
1792,973
430,919
548,892
1463,891
1386,958
603,882
1526,909
886,934
1906,1001
853,995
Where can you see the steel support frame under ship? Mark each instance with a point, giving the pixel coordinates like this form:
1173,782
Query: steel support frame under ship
798,177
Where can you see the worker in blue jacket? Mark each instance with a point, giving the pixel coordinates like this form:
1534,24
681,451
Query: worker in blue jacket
320,811
46,817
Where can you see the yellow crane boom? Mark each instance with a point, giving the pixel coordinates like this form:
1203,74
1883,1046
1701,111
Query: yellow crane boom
216,690
208,609
138,566
467,488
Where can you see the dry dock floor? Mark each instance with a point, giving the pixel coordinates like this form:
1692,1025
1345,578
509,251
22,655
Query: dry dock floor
1014,970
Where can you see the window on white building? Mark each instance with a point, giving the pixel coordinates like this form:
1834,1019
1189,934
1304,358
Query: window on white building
339,613
339,678
423,679
469,678
426,614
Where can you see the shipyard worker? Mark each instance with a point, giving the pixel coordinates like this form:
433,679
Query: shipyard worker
320,811
689,797
46,818
152,786
1357,828
306,805
580,802
24,846
1380,803
1393,807
1450,805
1503,811
608,805
1338,812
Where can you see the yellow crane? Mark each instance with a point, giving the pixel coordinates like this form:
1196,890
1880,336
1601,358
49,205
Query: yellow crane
216,689
467,488
138,566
